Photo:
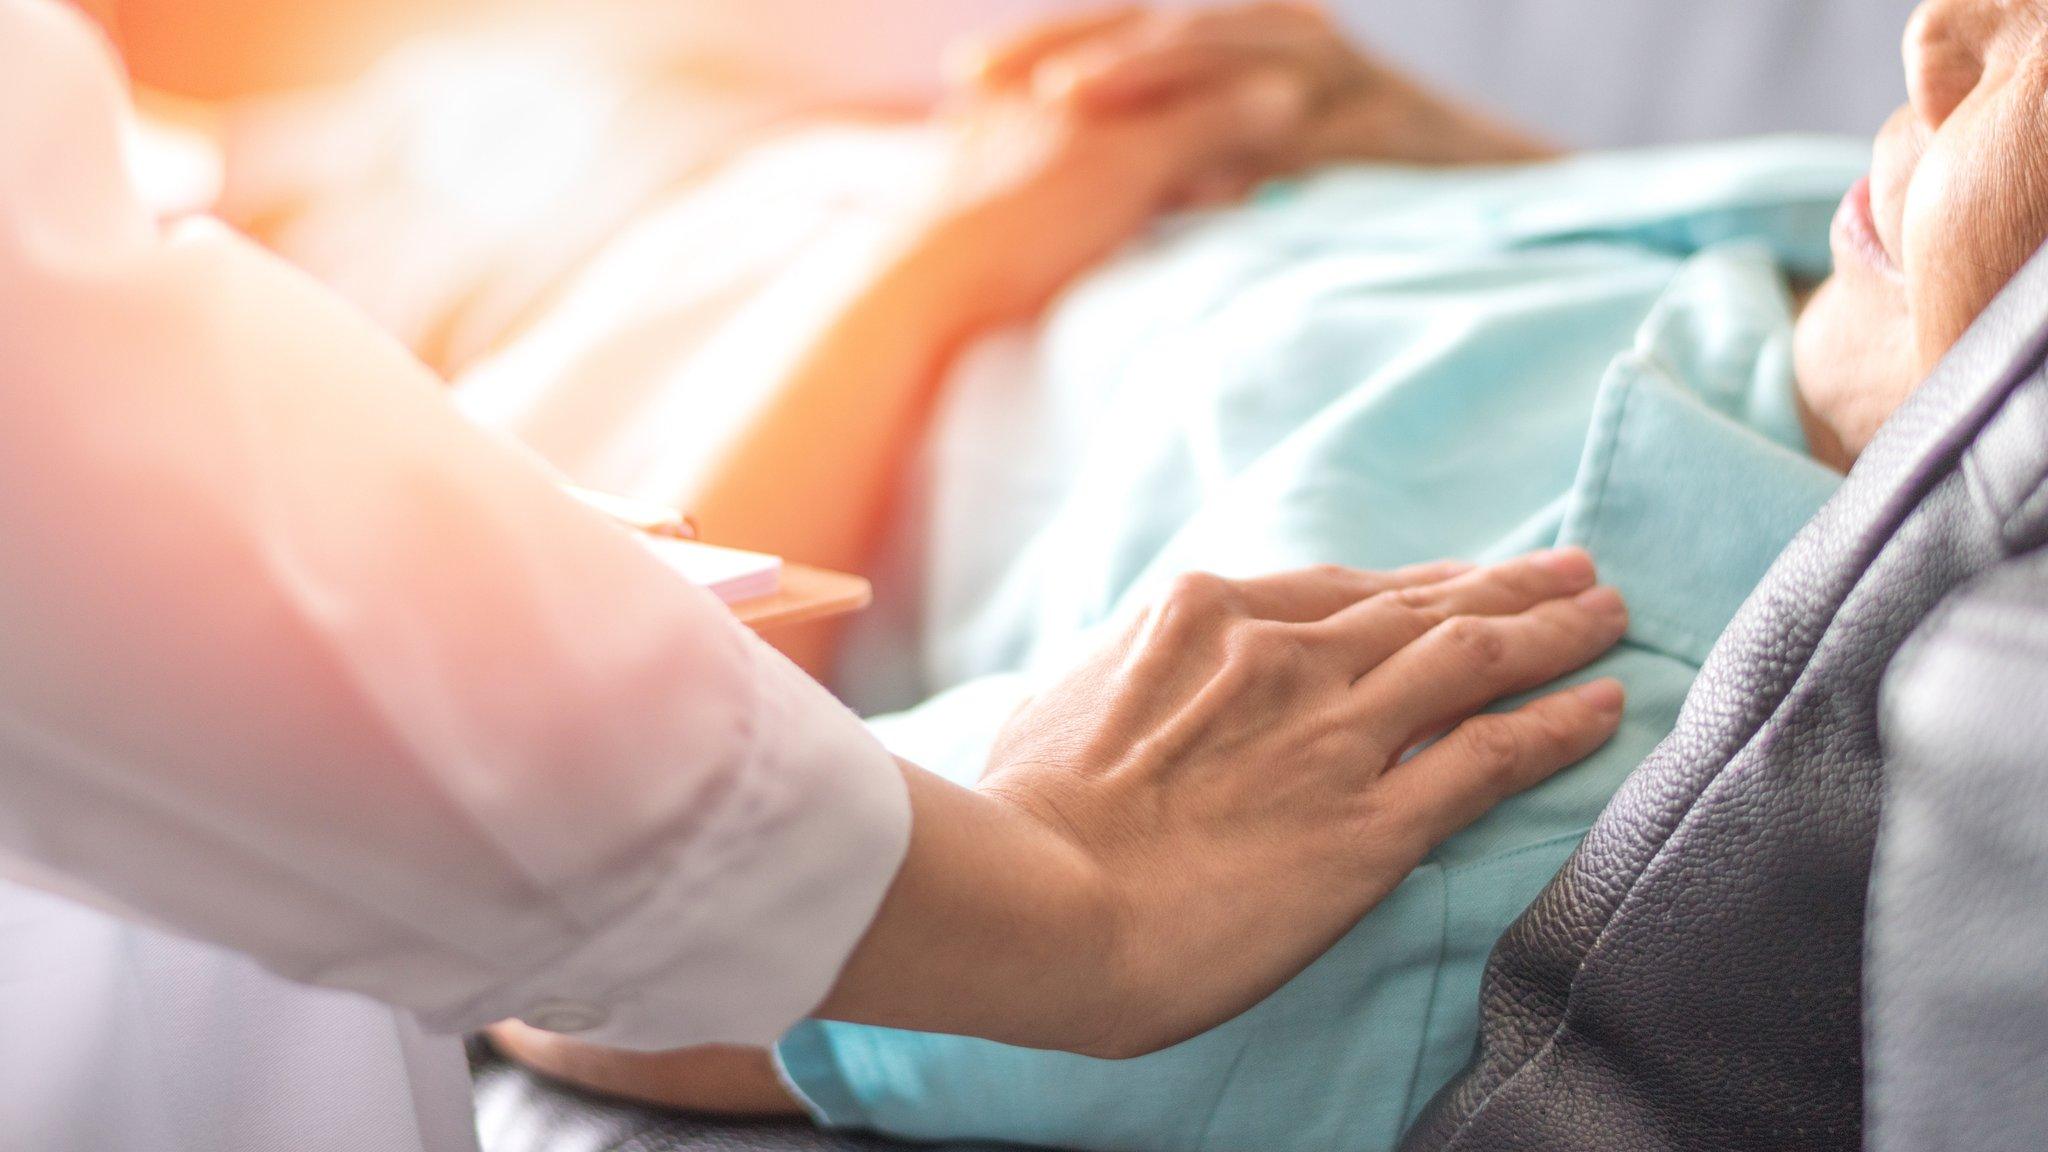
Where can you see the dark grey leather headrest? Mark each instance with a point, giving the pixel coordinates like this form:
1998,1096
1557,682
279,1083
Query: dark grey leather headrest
1958,953
1693,978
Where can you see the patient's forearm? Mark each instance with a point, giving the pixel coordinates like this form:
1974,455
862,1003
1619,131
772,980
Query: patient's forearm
813,476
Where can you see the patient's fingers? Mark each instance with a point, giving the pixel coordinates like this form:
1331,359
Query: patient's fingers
1112,73
1157,152
1468,662
1489,758
1311,594
1009,61
1222,188
1370,632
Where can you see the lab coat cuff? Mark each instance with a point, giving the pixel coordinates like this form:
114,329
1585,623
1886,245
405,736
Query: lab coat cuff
786,881
832,831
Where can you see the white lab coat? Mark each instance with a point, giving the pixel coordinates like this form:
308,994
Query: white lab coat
296,663
122,1037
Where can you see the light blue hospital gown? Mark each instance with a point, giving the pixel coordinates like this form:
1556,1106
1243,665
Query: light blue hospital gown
1373,368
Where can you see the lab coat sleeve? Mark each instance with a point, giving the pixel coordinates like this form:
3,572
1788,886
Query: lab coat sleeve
294,660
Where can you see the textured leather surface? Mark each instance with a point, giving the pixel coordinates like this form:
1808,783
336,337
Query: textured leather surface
1692,979
1958,953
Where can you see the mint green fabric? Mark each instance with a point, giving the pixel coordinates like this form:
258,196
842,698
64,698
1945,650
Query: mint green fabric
1378,367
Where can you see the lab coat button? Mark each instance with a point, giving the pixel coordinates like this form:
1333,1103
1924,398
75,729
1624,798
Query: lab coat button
567,1016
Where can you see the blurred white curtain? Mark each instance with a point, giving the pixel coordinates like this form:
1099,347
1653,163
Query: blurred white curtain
1593,72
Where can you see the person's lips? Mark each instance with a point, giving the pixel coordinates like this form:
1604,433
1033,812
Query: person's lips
1856,233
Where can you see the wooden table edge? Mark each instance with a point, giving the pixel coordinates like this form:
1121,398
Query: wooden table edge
807,594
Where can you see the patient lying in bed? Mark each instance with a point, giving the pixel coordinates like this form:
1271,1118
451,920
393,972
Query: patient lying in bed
1374,367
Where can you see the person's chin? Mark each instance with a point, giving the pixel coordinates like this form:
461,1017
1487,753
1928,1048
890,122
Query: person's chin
1849,359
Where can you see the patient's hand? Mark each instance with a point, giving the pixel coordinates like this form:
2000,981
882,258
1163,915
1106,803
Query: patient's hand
1037,192
1355,106
724,1081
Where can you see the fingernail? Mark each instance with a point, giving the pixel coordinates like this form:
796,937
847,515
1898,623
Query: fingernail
1603,696
1603,601
1573,562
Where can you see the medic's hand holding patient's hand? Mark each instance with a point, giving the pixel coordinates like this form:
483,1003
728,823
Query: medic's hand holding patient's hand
1214,798
397,716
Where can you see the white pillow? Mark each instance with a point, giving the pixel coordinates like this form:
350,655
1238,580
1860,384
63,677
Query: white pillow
1591,72
1618,72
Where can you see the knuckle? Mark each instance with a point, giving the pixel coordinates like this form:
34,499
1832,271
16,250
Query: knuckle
1187,616
1336,574
1474,642
1547,732
1188,588
1204,591
1520,580
1426,604
1417,598
1495,745
1556,735
1352,582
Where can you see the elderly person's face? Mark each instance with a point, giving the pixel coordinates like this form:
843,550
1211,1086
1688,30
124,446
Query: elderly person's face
1956,203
